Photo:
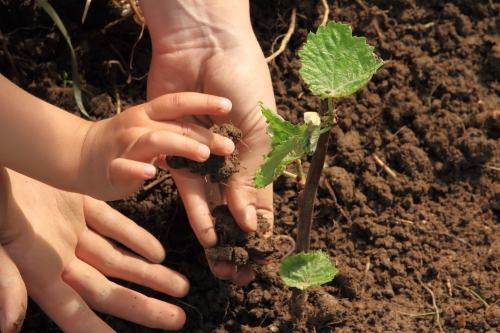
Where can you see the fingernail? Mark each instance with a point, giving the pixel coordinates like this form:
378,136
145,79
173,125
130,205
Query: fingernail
226,105
149,171
251,216
228,145
203,152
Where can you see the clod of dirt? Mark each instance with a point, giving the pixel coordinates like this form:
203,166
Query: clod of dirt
236,245
493,315
326,308
219,168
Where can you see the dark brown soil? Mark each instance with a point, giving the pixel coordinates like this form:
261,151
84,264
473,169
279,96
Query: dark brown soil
425,114
219,168
237,246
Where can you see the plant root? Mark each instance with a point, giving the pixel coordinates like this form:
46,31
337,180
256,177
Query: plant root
124,72
327,11
287,37
417,273
292,245
461,240
384,166
363,6
417,314
3,39
376,26
112,24
339,208
156,182
135,44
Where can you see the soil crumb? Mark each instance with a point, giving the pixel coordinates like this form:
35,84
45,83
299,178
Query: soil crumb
219,168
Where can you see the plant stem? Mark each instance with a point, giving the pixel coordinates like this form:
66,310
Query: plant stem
300,172
303,296
331,111
289,174
307,196
301,180
305,201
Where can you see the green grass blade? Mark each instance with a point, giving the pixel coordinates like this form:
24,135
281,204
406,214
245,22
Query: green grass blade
77,91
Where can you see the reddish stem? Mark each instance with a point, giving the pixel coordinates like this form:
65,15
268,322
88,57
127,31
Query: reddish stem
308,195
305,202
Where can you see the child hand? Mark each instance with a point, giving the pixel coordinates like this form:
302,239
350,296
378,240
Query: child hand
118,153
45,233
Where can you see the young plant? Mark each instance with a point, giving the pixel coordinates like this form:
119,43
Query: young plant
334,64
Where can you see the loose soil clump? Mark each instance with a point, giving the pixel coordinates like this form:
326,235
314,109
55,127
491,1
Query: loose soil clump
219,168
236,245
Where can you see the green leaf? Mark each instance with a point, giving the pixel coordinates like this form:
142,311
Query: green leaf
77,91
274,163
306,270
278,128
336,64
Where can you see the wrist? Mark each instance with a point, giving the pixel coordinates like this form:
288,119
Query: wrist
177,25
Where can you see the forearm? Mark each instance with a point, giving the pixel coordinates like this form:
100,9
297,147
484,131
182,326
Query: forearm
39,140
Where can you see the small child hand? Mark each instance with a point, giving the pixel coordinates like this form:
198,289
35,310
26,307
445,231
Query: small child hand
118,153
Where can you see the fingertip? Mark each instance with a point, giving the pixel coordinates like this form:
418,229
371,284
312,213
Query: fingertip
181,285
223,270
177,319
228,146
226,105
158,253
148,171
203,153
243,276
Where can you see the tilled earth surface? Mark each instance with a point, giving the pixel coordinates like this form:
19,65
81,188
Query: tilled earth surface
406,239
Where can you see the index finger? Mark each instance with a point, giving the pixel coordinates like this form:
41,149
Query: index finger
177,105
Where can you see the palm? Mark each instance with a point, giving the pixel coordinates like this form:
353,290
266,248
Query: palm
63,262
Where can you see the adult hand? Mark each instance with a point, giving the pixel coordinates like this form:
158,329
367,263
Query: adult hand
210,47
59,242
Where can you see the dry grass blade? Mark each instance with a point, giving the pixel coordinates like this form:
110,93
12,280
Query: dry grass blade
77,91
86,10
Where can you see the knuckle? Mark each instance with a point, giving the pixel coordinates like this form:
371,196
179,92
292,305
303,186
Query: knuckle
151,138
177,100
186,129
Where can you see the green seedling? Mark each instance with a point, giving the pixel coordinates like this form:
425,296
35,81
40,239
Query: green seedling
306,270
77,90
334,64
